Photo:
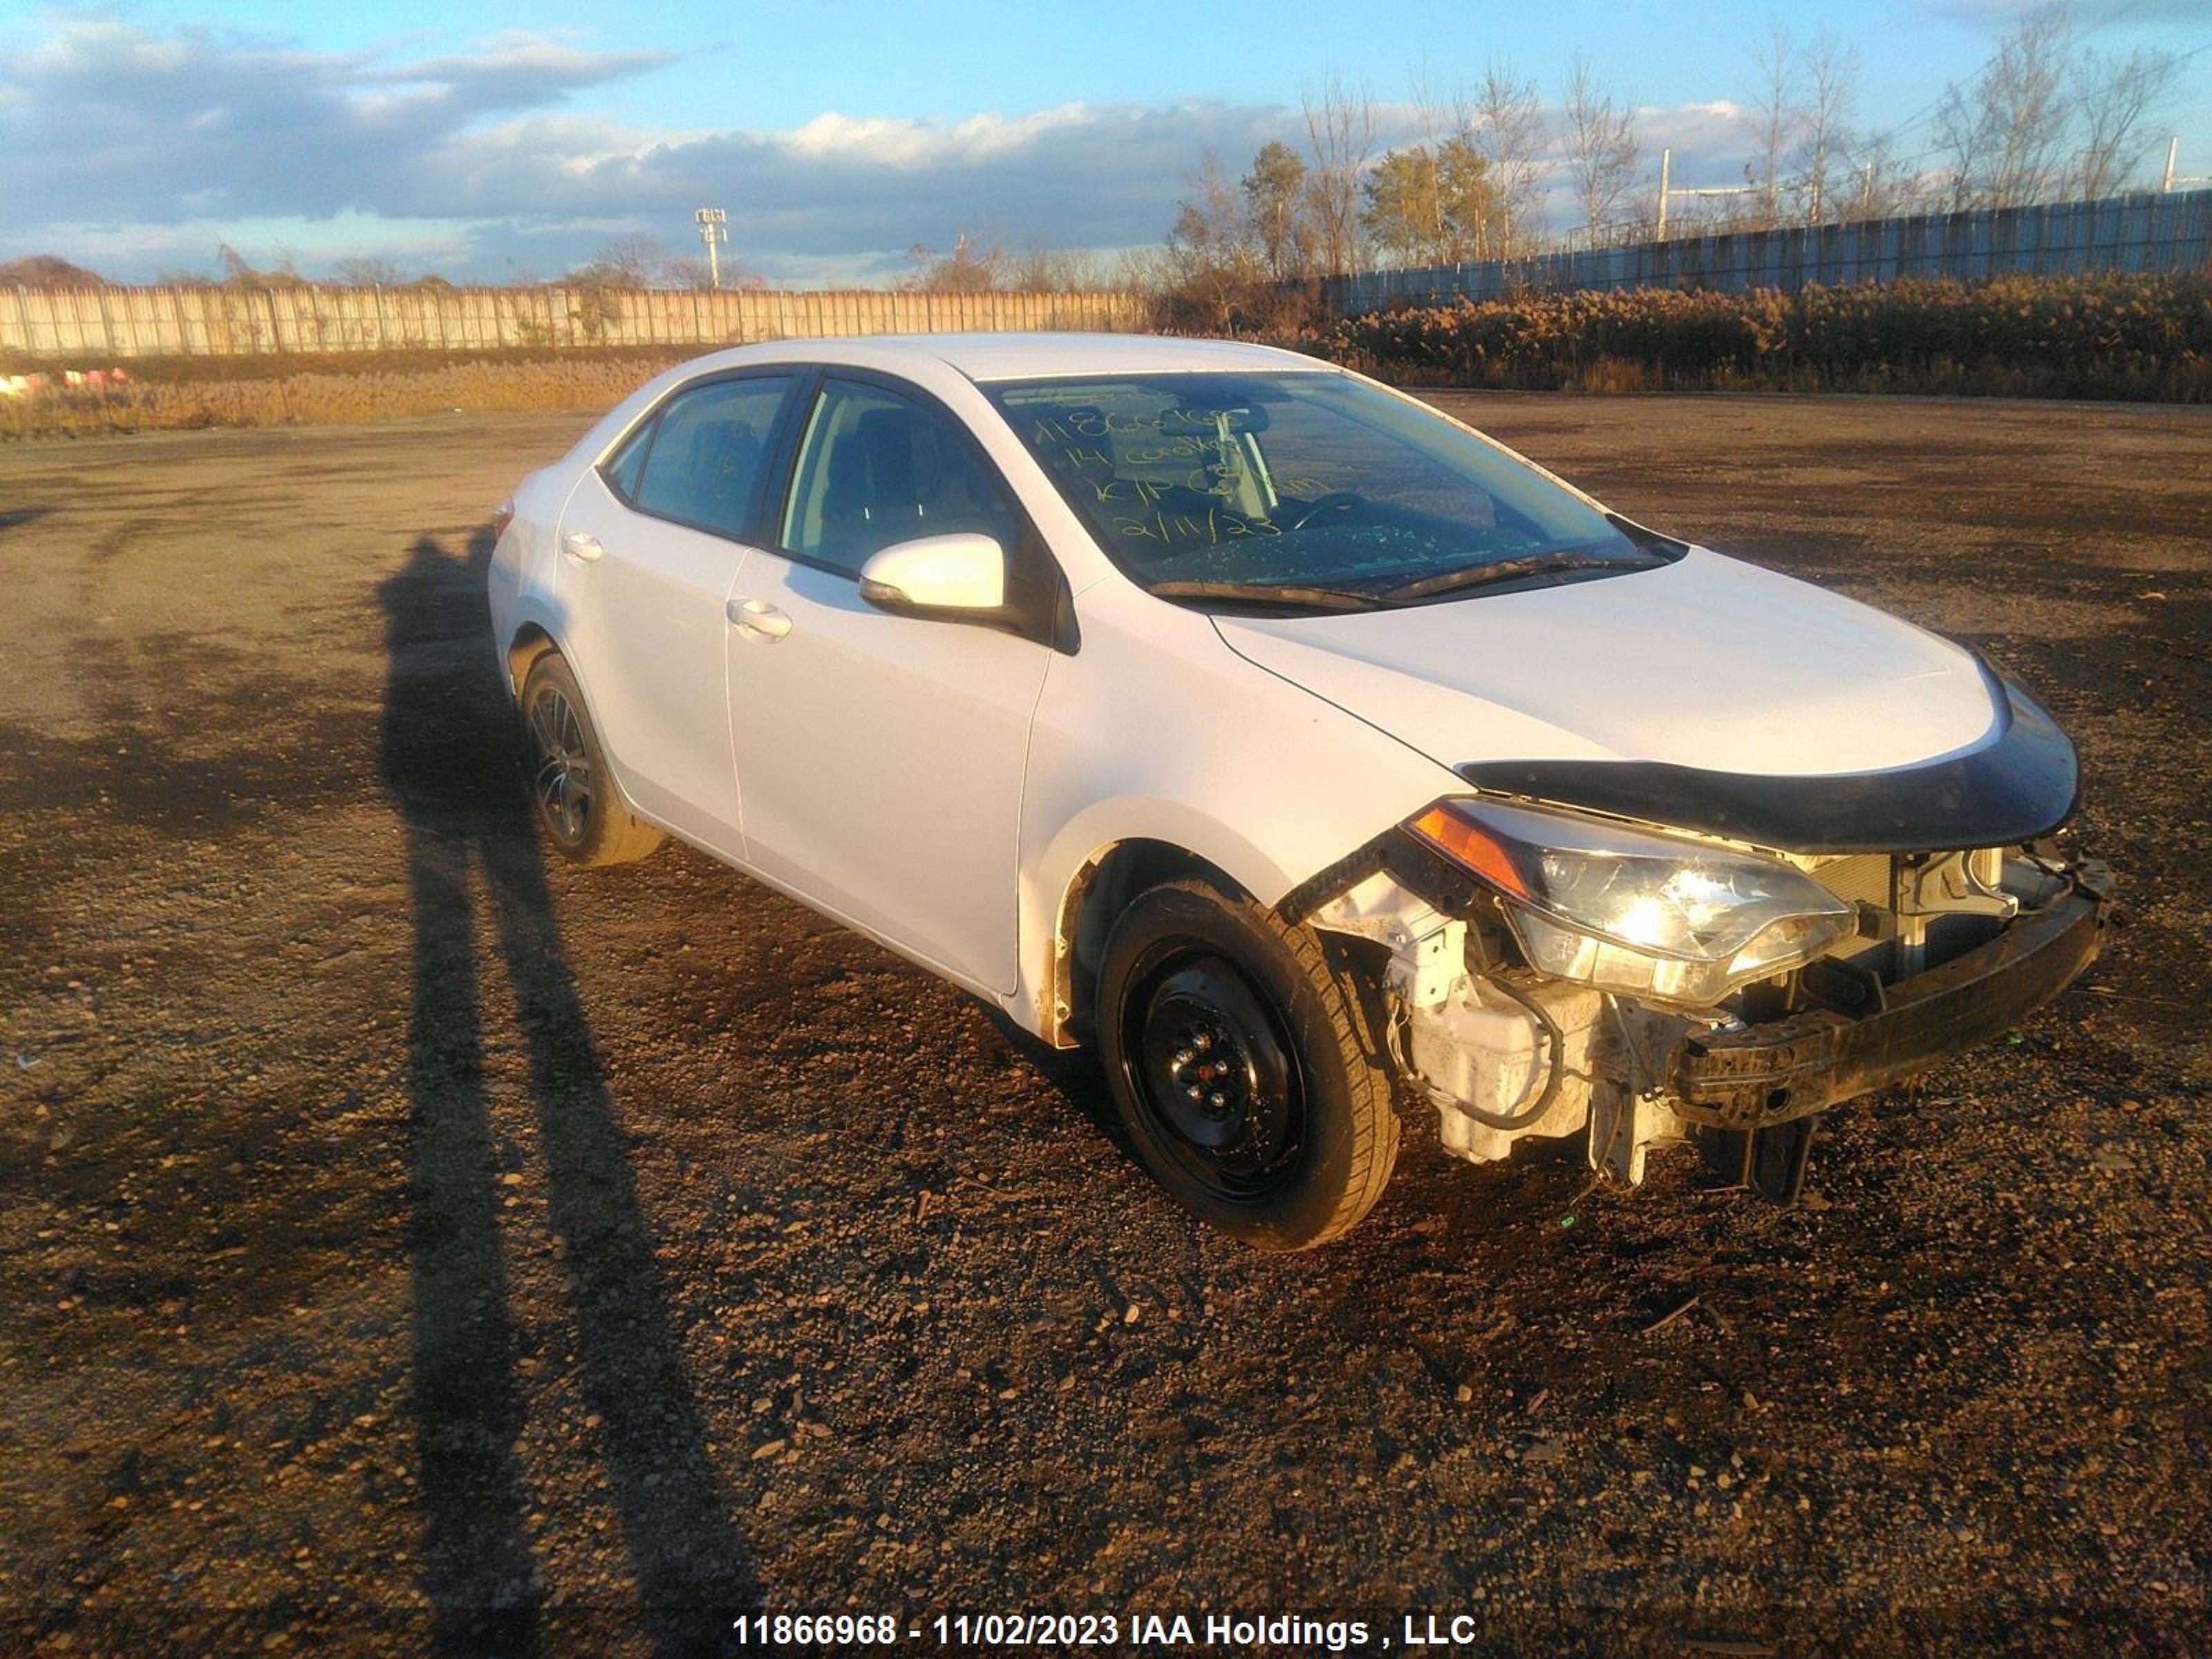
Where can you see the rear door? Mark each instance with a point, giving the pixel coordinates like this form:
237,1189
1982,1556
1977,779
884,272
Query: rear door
650,544
882,756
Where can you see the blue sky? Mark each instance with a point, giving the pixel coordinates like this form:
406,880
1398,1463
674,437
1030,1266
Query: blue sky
485,140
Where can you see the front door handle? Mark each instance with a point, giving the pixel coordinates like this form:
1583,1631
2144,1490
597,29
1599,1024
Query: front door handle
581,545
758,619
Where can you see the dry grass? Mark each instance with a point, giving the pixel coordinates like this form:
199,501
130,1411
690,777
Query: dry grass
169,394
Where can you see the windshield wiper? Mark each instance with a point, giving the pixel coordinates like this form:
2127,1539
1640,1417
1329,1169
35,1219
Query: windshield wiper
1270,596
1506,570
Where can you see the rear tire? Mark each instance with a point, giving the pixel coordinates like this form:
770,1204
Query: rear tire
577,805
1244,1067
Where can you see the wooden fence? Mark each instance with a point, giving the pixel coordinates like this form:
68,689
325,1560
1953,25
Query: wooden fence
114,324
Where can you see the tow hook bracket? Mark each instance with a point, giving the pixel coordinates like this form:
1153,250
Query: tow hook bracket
1771,1162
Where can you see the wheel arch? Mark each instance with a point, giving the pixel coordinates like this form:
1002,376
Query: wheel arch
531,641
1095,896
531,638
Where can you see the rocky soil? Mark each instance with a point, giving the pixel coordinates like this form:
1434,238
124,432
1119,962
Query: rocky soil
411,1245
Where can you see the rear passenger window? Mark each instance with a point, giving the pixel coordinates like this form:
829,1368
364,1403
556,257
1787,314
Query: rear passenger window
878,468
708,452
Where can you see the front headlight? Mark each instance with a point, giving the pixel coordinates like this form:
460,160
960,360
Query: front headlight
1627,910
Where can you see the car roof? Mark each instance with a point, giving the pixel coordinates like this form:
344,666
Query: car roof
1013,356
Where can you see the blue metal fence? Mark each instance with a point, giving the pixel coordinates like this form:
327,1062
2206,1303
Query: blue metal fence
2149,231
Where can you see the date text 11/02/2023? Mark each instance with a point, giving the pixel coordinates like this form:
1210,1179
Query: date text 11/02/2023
1169,1631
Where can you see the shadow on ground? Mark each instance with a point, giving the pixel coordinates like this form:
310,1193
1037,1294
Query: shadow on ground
456,781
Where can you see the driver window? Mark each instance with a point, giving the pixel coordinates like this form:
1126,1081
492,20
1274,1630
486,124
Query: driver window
877,469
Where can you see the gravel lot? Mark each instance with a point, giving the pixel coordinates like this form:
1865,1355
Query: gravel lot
409,1247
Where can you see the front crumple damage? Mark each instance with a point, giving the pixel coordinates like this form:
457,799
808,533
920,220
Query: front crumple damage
1861,1034
1500,1052
1950,948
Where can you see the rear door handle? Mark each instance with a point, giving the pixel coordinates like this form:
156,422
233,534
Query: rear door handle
581,545
758,619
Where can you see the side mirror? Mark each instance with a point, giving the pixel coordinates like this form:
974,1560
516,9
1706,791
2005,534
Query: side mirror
943,576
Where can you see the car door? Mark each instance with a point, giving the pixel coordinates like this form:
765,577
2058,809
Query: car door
650,544
881,757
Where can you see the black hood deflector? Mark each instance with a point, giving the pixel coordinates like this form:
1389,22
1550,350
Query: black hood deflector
2018,784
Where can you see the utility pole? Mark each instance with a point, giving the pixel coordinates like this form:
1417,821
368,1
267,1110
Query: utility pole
1667,189
2174,154
714,230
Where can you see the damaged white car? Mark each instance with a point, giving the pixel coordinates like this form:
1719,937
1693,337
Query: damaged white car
1298,747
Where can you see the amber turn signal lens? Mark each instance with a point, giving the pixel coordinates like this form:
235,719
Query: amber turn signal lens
1451,833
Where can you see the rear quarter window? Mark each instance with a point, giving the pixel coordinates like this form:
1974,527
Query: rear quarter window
622,469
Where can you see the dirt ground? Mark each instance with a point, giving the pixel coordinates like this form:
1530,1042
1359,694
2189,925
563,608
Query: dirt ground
410,1246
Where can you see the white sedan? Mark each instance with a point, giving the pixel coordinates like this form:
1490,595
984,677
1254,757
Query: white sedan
1298,747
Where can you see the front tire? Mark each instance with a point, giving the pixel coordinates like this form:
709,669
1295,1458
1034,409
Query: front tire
1243,1068
579,806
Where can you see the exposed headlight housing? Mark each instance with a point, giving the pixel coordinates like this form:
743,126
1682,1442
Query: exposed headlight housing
1627,910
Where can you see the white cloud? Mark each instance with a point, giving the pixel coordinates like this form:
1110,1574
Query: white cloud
121,138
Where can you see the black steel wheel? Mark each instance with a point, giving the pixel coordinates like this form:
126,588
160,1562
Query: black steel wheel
1241,1066
1209,1065
582,810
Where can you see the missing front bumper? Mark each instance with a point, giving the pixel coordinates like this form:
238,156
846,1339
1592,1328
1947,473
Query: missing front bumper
1762,1075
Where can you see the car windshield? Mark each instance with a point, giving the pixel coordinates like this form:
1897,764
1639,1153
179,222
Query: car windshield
1304,492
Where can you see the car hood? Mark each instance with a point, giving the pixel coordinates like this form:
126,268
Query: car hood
1704,663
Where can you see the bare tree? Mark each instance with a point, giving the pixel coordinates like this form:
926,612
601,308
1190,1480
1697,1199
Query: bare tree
1505,119
971,268
1602,152
1040,269
633,261
2111,98
1831,72
367,271
1883,184
1340,138
2004,132
281,272
1773,109
693,271
1211,262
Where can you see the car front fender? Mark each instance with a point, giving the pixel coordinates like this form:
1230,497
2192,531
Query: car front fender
1157,731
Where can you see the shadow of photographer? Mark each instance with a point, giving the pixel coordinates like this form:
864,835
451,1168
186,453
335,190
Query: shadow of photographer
448,760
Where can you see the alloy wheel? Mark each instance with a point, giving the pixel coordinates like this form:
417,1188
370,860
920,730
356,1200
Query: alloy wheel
562,780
